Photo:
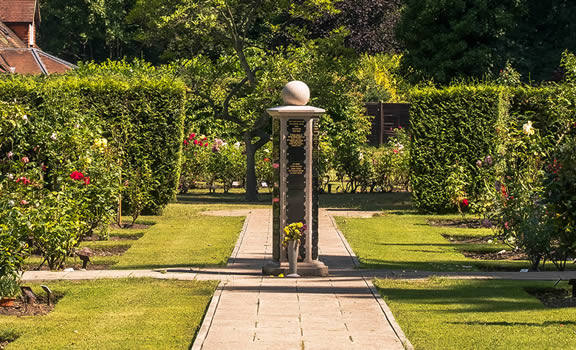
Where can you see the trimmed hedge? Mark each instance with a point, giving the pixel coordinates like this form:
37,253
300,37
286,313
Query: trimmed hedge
452,127
456,126
141,116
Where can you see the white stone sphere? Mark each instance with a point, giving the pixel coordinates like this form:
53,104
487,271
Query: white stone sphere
296,93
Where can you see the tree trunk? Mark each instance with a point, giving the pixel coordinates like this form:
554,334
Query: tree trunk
251,181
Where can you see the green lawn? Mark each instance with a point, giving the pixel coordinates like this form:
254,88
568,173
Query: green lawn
115,314
477,314
184,237
403,240
367,201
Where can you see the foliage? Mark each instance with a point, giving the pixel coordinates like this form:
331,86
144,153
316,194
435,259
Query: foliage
45,201
9,286
381,79
515,191
370,24
142,113
392,164
454,38
87,30
211,162
264,166
456,125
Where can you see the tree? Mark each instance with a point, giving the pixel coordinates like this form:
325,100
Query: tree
446,39
86,29
544,30
238,31
371,25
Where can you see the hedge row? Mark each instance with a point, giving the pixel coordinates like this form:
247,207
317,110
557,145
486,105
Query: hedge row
451,128
142,117
455,127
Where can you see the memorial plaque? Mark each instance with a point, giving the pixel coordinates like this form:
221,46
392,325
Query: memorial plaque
296,172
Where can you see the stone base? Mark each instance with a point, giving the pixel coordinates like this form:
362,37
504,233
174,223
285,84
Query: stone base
314,268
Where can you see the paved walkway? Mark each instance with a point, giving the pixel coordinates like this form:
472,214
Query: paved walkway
306,313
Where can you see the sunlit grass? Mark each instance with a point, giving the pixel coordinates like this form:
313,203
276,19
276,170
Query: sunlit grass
477,314
115,314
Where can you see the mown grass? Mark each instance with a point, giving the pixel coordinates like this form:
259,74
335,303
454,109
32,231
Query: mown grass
115,314
406,241
477,314
184,237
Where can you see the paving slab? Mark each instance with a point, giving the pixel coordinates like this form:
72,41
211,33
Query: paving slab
306,313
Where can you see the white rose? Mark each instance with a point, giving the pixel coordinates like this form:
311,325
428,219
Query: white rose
528,129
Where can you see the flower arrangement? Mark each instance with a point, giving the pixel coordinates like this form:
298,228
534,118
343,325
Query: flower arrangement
293,232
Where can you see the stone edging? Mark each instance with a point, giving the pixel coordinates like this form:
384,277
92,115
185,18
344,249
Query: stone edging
383,306
344,241
232,258
208,318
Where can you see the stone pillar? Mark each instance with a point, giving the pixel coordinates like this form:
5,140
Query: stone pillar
295,195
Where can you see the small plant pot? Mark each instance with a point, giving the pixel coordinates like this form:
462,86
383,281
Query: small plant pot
293,258
7,301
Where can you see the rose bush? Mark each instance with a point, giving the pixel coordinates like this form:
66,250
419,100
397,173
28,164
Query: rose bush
55,187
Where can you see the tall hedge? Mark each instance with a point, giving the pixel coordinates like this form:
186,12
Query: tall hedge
143,117
452,127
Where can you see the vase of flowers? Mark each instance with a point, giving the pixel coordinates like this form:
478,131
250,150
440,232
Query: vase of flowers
292,235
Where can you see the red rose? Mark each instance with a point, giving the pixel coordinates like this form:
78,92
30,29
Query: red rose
186,142
465,202
76,175
191,136
196,142
206,144
87,180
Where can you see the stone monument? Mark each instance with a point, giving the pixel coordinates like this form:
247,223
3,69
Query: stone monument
295,195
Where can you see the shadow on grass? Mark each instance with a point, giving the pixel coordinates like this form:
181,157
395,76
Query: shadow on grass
222,198
441,266
397,201
513,324
400,202
469,297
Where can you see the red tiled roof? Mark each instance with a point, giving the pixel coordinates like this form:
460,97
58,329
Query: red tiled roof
9,39
31,61
18,10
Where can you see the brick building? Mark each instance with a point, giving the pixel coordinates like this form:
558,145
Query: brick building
19,52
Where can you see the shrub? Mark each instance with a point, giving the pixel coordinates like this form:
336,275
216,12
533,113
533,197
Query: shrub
56,187
140,115
456,125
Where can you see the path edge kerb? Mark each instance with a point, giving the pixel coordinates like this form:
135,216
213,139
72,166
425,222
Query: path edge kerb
208,318
383,306
213,306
